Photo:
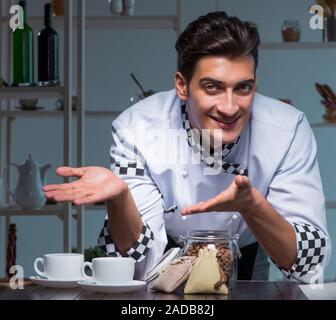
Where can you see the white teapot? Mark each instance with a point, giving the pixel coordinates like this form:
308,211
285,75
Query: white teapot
28,193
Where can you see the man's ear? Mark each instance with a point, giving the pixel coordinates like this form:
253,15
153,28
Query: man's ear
181,86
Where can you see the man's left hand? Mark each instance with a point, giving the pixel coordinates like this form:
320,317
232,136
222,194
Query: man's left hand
237,197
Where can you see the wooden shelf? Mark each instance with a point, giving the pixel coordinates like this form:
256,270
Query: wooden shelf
31,92
331,205
48,210
132,22
111,21
102,113
55,113
322,125
297,45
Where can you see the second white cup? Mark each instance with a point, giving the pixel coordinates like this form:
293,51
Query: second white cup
110,270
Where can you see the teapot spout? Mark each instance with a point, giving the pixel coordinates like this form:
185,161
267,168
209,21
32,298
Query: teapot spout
43,171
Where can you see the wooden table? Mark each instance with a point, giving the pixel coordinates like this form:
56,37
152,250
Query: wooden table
244,290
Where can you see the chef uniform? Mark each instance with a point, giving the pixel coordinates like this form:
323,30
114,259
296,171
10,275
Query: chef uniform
167,166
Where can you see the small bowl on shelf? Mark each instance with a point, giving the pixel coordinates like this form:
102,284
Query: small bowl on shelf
28,104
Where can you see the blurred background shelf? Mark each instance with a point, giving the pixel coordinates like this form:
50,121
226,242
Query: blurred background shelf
55,113
47,210
322,125
297,45
132,22
115,22
331,204
31,92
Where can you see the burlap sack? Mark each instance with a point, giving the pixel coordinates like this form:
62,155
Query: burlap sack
205,276
173,275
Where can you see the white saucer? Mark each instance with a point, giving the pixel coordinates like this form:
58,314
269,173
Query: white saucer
115,288
54,283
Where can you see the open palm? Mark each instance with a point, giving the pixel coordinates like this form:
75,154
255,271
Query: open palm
94,184
235,198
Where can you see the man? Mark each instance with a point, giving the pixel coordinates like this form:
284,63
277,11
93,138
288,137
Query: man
212,154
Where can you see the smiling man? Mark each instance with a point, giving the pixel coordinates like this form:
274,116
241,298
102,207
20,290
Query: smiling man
257,174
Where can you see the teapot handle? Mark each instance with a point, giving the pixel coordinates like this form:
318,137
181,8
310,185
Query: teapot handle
6,180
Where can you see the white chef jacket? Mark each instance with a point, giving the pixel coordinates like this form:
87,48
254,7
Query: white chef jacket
167,168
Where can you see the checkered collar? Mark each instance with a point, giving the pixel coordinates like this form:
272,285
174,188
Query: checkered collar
207,155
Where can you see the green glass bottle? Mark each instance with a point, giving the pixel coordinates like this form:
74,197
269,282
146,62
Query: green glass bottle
23,53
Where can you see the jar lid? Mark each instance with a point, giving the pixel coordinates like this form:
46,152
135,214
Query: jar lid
211,235
291,22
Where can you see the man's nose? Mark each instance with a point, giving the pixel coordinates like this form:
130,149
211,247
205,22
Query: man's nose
228,105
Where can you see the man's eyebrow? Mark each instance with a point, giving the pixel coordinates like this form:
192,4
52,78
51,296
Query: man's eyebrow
221,83
212,80
248,81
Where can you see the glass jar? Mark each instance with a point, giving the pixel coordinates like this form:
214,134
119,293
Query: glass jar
226,244
58,7
291,31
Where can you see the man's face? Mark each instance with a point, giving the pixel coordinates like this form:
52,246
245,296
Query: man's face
220,95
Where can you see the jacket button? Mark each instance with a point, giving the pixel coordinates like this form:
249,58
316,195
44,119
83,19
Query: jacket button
184,173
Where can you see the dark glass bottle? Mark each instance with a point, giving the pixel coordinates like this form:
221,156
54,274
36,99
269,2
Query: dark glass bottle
23,53
48,56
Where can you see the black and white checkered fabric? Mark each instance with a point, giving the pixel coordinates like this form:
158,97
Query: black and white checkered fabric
214,160
311,248
123,162
137,251
141,247
122,165
129,168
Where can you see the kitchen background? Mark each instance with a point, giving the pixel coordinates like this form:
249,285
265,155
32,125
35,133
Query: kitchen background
112,54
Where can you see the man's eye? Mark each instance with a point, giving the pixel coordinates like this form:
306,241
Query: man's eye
211,88
244,89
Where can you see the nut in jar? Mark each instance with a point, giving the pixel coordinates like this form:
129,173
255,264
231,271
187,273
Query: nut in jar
225,245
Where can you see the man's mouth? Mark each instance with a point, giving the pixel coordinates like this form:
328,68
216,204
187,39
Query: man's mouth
225,123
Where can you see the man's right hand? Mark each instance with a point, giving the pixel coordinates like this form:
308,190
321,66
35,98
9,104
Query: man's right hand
94,184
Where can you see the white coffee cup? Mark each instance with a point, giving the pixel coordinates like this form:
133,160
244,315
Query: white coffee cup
110,270
116,6
128,7
60,266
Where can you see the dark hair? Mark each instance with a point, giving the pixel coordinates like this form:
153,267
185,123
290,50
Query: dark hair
215,34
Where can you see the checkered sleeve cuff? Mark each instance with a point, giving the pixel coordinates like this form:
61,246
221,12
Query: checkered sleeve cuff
311,249
126,167
138,250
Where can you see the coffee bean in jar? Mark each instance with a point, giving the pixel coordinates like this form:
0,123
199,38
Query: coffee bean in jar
291,31
225,244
